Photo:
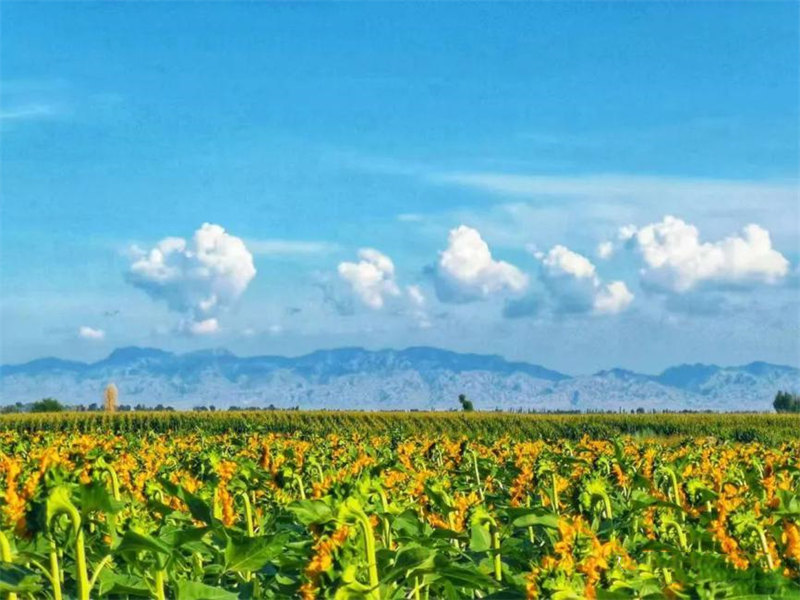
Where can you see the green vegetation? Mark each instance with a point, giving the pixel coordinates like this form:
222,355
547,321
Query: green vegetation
786,403
349,513
47,405
481,425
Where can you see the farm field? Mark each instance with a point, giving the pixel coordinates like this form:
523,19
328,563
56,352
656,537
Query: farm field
399,505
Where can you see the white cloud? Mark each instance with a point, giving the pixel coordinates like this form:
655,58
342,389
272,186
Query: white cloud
612,298
572,281
29,111
605,250
371,279
614,185
675,260
418,301
205,327
90,333
198,278
415,295
410,218
277,247
560,260
466,270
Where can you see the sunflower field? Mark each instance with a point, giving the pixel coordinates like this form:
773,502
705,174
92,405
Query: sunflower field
345,511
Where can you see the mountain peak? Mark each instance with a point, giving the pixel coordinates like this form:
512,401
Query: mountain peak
131,353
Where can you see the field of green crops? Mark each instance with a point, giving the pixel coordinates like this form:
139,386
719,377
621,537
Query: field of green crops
398,505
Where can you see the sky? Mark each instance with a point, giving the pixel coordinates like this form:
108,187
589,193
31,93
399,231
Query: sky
578,185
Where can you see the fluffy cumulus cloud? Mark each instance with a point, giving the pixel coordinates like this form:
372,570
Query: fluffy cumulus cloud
372,282
676,260
466,270
90,333
198,278
573,283
371,279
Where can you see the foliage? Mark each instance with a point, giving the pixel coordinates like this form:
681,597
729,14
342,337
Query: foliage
206,512
771,428
466,404
786,402
46,405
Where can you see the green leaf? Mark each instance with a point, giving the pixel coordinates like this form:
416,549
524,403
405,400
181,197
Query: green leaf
537,517
135,541
117,585
95,496
461,577
194,590
198,507
311,512
479,540
16,579
251,554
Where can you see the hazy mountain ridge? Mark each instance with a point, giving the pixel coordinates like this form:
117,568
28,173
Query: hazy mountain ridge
417,377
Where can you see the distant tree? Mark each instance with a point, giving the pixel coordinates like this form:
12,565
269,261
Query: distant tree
786,402
47,405
466,404
110,398
640,411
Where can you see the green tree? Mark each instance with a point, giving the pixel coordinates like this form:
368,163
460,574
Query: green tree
47,405
786,402
466,404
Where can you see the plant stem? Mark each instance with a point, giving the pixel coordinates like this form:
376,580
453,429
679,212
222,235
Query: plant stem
159,585
372,563
5,556
498,563
55,571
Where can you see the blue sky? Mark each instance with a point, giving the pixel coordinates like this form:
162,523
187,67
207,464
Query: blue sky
310,132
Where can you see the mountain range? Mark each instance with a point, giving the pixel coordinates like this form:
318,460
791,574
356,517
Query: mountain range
414,378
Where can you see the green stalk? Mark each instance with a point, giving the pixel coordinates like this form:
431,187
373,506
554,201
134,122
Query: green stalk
669,523
101,565
498,563
606,505
530,527
387,529
764,546
372,563
80,565
477,474
55,570
6,556
159,584
248,514
299,481
554,491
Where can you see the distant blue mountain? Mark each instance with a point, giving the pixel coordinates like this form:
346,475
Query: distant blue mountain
688,377
417,377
